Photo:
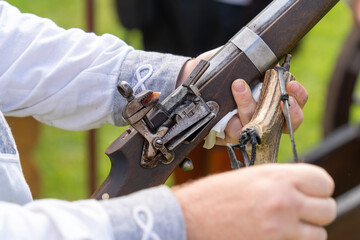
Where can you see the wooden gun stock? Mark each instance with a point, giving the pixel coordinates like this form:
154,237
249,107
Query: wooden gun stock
259,45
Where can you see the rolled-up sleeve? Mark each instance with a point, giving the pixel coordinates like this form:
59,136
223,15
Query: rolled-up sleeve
149,214
54,219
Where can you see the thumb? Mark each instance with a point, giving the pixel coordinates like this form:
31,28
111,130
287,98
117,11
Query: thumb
244,100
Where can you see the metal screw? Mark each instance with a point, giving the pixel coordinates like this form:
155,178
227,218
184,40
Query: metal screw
187,165
197,100
158,143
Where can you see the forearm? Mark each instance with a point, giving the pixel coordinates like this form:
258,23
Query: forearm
154,211
68,78
55,219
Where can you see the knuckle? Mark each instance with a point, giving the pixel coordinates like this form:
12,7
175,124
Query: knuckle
332,210
274,229
320,234
296,90
279,176
280,202
328,182
324,234
246,101
312,232
246,113
283,198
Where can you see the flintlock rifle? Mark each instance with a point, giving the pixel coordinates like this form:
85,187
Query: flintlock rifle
162,134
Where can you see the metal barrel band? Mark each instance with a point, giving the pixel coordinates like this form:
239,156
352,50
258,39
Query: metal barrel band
255,48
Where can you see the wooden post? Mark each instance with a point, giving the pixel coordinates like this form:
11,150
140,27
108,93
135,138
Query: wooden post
91,137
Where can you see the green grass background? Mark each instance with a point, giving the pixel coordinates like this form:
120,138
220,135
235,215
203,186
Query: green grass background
61,155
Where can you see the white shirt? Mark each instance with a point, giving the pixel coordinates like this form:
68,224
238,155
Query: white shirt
67,79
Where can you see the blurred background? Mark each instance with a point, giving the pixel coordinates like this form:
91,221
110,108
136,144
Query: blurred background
59,161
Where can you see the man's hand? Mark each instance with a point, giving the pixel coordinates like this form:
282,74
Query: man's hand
283,201
246,107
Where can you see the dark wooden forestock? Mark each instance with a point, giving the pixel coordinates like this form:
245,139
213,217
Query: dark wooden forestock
280,33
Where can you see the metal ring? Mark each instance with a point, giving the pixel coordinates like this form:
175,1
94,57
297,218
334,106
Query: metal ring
255,49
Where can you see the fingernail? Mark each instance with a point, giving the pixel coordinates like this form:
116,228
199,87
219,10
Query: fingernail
239,86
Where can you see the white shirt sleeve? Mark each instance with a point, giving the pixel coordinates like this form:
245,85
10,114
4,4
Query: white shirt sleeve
64,78
68,78
55,219
149,214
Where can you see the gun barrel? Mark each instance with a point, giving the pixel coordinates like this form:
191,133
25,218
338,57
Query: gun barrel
273,33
